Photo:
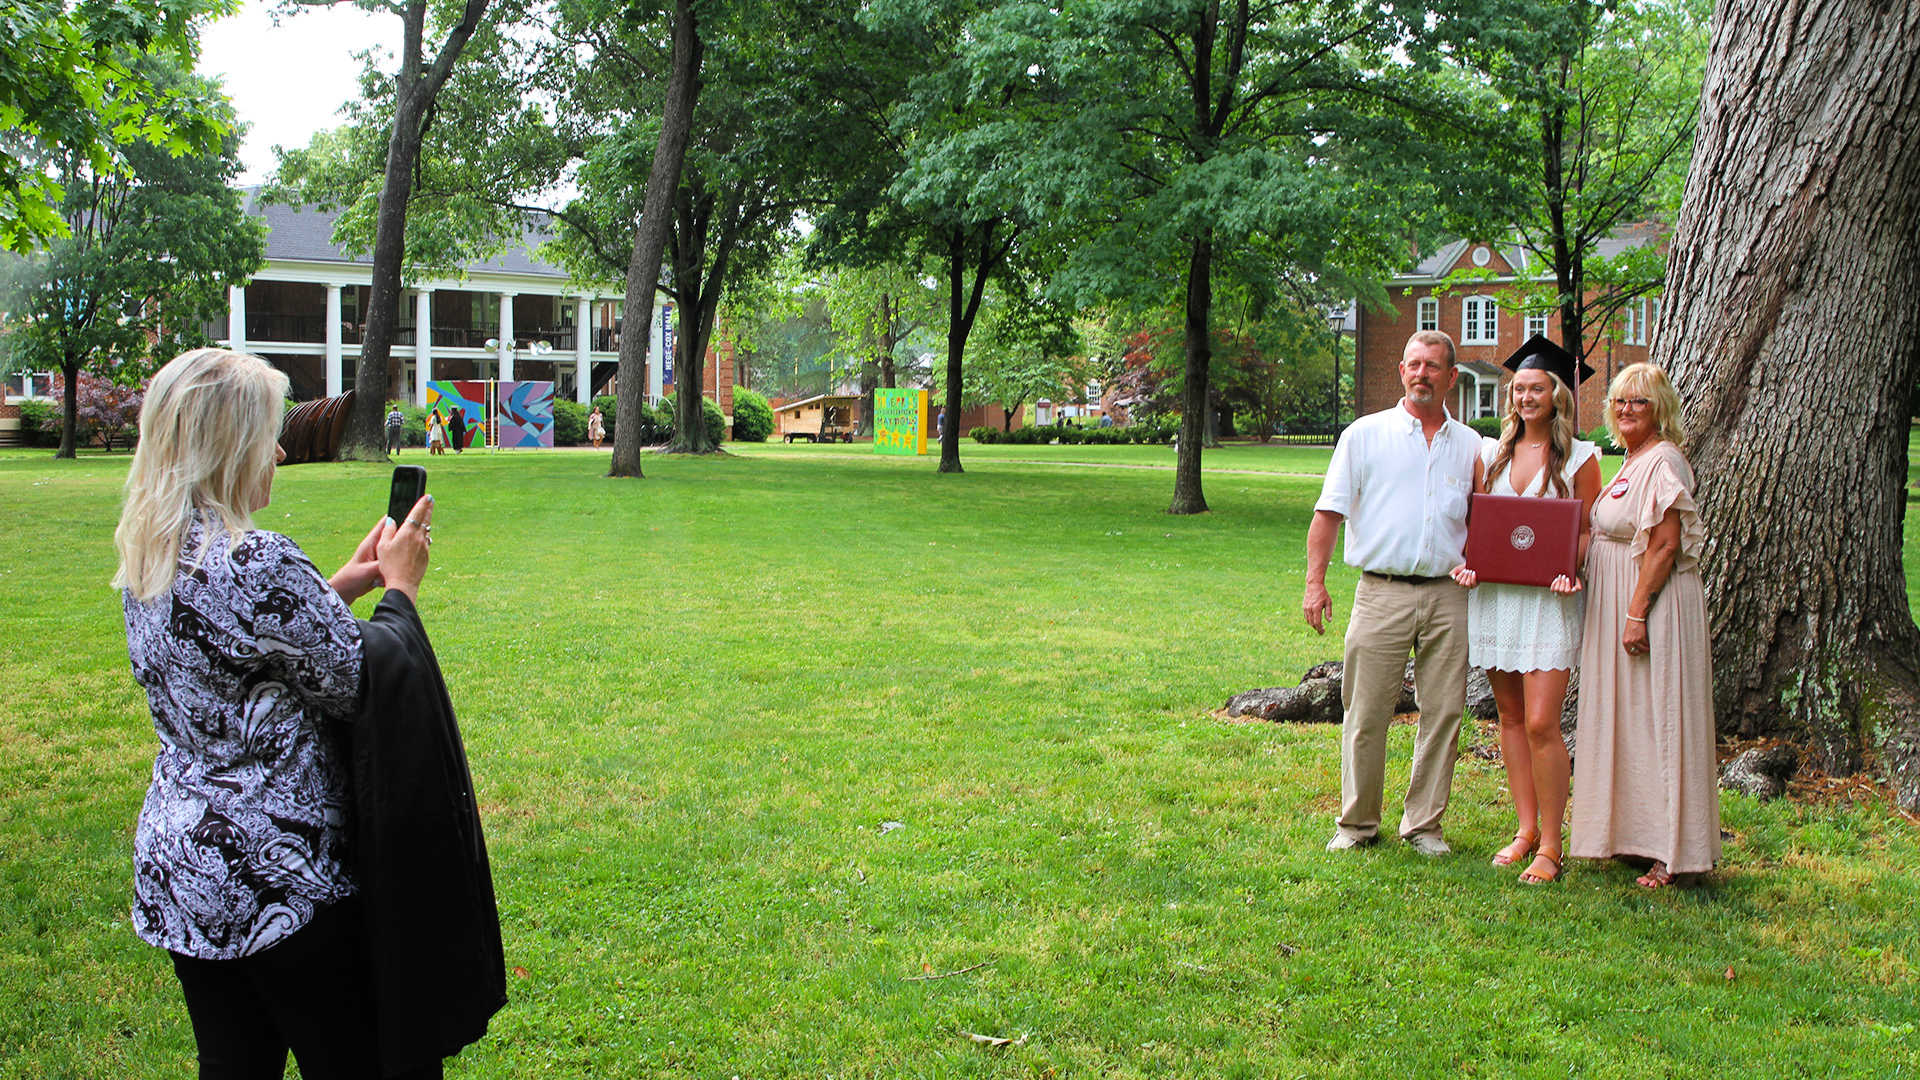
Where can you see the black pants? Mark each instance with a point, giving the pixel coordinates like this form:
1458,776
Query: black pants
306,994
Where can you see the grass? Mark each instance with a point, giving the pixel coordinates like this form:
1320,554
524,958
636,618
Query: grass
694,704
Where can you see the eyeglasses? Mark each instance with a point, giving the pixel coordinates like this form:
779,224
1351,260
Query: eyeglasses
1630,402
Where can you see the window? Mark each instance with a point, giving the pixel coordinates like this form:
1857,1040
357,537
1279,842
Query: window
1637,330
1479,325
1486,399
1537,324
1429,311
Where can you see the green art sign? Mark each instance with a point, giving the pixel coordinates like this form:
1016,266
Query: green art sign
900,421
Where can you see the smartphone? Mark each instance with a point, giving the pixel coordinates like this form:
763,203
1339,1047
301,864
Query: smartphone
409,483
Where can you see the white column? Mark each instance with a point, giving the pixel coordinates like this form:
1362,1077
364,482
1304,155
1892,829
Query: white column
237,318
506,336
656,363
333,341
422,344
26,384
582,345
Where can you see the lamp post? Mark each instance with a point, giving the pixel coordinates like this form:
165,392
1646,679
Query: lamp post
1337,322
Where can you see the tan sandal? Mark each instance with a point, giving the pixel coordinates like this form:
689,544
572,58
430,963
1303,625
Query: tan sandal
1529,876
1507,856
1656,877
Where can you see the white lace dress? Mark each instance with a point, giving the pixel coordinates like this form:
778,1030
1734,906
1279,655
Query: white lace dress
1526,627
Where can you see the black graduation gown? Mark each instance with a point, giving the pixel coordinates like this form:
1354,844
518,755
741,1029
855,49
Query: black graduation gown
432,933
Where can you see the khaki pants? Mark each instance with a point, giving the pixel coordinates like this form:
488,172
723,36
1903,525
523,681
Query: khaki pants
1391,619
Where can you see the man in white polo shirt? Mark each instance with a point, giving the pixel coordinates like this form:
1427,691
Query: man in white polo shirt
1400,479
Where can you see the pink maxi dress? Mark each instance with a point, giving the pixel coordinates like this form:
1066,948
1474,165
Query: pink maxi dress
1645,771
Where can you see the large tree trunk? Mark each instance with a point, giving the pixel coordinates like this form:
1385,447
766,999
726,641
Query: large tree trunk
1792,334
957,327
69,411
650,239
415,88
1187,497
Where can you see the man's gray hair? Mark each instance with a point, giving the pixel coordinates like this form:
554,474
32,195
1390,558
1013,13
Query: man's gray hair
1434,337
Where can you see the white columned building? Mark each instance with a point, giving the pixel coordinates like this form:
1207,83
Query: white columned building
657,359
506,335
422,345
582,346
308,308
237,318
334,381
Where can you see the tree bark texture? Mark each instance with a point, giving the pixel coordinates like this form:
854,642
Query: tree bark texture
1792,334
1187,496
70,411
650,239
414,91
963,306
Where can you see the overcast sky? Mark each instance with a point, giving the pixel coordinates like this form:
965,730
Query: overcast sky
289,81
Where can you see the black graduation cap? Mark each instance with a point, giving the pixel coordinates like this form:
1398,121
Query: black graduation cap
1542,354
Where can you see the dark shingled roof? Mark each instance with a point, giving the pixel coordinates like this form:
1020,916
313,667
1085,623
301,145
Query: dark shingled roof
306,235
1442,259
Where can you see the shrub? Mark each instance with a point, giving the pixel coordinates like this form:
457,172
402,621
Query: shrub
1160,428
1107,436
1071,436
985,436
106,412
1486,426
752,416
569,422
1599,437
1032,435
40,423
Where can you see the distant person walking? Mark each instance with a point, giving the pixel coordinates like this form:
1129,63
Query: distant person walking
1399,480
596,427
457,429
396,429
436,433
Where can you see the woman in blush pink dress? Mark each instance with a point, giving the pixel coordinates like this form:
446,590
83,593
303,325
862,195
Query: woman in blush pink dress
1644,781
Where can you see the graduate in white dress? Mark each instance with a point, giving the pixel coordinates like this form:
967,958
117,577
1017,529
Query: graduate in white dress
1526,637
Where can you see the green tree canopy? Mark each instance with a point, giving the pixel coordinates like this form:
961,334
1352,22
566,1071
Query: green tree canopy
73,88
151,244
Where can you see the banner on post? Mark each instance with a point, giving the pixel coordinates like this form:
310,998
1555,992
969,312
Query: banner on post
467,395
525,418
900,421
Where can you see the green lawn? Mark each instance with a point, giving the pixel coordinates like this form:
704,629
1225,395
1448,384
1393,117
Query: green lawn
695,702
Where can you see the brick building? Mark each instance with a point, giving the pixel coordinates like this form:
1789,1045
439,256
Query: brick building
1484,333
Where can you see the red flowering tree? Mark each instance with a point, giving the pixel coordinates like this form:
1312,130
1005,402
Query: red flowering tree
107,412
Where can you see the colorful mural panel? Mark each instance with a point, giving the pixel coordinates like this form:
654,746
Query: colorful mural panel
900,421
526,414
467,395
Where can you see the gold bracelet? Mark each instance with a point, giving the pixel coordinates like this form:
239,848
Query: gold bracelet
1636,618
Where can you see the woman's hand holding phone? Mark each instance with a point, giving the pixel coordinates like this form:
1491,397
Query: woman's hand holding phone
402,548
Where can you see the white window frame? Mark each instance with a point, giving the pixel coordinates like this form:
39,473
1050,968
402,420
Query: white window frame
1427,314
1636,322
1486,399
1536,324
1479,321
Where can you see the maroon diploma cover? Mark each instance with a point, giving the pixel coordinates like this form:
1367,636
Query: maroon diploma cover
1521,540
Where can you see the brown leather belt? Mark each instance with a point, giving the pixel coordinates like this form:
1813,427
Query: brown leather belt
1405,579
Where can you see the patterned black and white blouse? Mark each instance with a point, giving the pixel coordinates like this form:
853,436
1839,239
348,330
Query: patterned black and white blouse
251,663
